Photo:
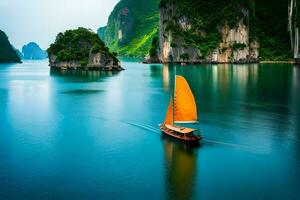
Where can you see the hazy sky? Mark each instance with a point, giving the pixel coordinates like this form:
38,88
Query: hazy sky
40,20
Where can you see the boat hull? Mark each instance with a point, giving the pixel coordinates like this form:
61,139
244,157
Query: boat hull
171,133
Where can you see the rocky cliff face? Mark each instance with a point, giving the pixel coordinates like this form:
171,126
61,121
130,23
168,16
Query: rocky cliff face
293,26
176,30
96,61
172,49
234,31
235,46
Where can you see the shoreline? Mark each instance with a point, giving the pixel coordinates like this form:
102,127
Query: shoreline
235,63
277,62
87,68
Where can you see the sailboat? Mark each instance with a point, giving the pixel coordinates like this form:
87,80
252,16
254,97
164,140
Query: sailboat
182,109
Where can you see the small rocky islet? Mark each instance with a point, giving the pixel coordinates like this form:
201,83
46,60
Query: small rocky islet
81,49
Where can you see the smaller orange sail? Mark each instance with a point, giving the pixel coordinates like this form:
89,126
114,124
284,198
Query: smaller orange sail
169,115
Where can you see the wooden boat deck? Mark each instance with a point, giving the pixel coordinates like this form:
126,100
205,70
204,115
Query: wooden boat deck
181,133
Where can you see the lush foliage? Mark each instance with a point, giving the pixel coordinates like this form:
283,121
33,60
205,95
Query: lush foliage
75,45
154,47
296,12
184,56
266,20
7,53
142,23
269,24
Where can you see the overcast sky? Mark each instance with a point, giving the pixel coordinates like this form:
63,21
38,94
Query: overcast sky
40,20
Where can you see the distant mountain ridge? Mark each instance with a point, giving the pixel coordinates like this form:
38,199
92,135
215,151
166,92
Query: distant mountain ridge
32,51
7,53
131,27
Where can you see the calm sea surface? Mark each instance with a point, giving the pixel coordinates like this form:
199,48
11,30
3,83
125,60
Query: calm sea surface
94,135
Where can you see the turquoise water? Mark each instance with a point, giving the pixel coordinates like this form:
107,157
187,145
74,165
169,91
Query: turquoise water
94,135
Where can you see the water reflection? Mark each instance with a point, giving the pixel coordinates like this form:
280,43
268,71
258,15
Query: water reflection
180,168
155,70
295,99
73,128
83,74
165,71
221,80
166,77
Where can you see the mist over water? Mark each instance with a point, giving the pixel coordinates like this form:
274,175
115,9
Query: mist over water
94,135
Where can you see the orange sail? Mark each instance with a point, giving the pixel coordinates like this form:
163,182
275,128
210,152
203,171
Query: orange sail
169,115
185,109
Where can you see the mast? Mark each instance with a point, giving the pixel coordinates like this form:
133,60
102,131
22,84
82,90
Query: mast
183,108
174,92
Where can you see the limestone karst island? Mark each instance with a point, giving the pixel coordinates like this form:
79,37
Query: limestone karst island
150,99
81,48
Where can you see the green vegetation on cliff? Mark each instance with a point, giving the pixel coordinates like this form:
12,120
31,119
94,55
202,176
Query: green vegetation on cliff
205,17
76,45
131,27
154,46
7,53
267,22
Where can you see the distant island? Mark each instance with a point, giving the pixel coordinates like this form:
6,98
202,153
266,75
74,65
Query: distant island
32,51
81,49
7,52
